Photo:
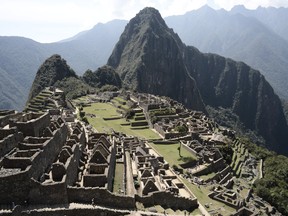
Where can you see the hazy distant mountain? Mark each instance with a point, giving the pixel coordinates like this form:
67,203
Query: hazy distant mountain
257,37
274,18
150,57
90,49
241,37
20,58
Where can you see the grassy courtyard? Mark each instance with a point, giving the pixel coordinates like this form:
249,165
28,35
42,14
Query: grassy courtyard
118,178
171,153
201,194
107,110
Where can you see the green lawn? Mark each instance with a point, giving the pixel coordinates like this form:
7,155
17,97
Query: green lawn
208,176
106,110
171,154
202,197
118,102
118,178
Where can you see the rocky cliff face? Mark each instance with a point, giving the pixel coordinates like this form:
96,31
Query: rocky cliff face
148,58
52,70
151,58
234,85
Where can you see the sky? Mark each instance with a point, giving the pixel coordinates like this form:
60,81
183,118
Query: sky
48,21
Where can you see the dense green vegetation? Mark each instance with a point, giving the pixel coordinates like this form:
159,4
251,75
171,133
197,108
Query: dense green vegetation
56,72
74,87
52,70
102,76
273,187
226,118
181,129
227,152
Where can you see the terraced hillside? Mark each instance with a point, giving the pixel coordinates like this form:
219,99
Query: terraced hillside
47,99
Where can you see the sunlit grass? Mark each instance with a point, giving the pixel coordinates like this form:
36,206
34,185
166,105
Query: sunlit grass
171,153
106,110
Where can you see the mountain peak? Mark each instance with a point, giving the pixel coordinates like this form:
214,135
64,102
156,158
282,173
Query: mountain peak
148,11
151,58
53,69
148,58
238,8
148,15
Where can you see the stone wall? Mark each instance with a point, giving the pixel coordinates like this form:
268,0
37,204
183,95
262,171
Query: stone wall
18,191
139,123
111,170
54,193
217,165
5,115
50,151
9,142
167,200
72,212
101,197
6,132
32,124
72,165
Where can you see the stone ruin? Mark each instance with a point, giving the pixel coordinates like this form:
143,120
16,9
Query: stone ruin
46,160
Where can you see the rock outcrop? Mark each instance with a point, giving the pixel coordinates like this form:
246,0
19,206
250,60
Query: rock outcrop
52,70
150,57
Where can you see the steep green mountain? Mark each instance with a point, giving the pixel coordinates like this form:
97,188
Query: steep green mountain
55,72
150,57
241,37
52,70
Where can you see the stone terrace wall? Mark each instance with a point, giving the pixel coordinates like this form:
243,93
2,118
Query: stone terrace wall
19,190
101,197
73,212
6,132
48,194
51,150
168,200
9,142
34,126
5,115
217,165
73,163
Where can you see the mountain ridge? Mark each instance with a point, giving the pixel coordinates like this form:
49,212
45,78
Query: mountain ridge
152,58
19,65
234,35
